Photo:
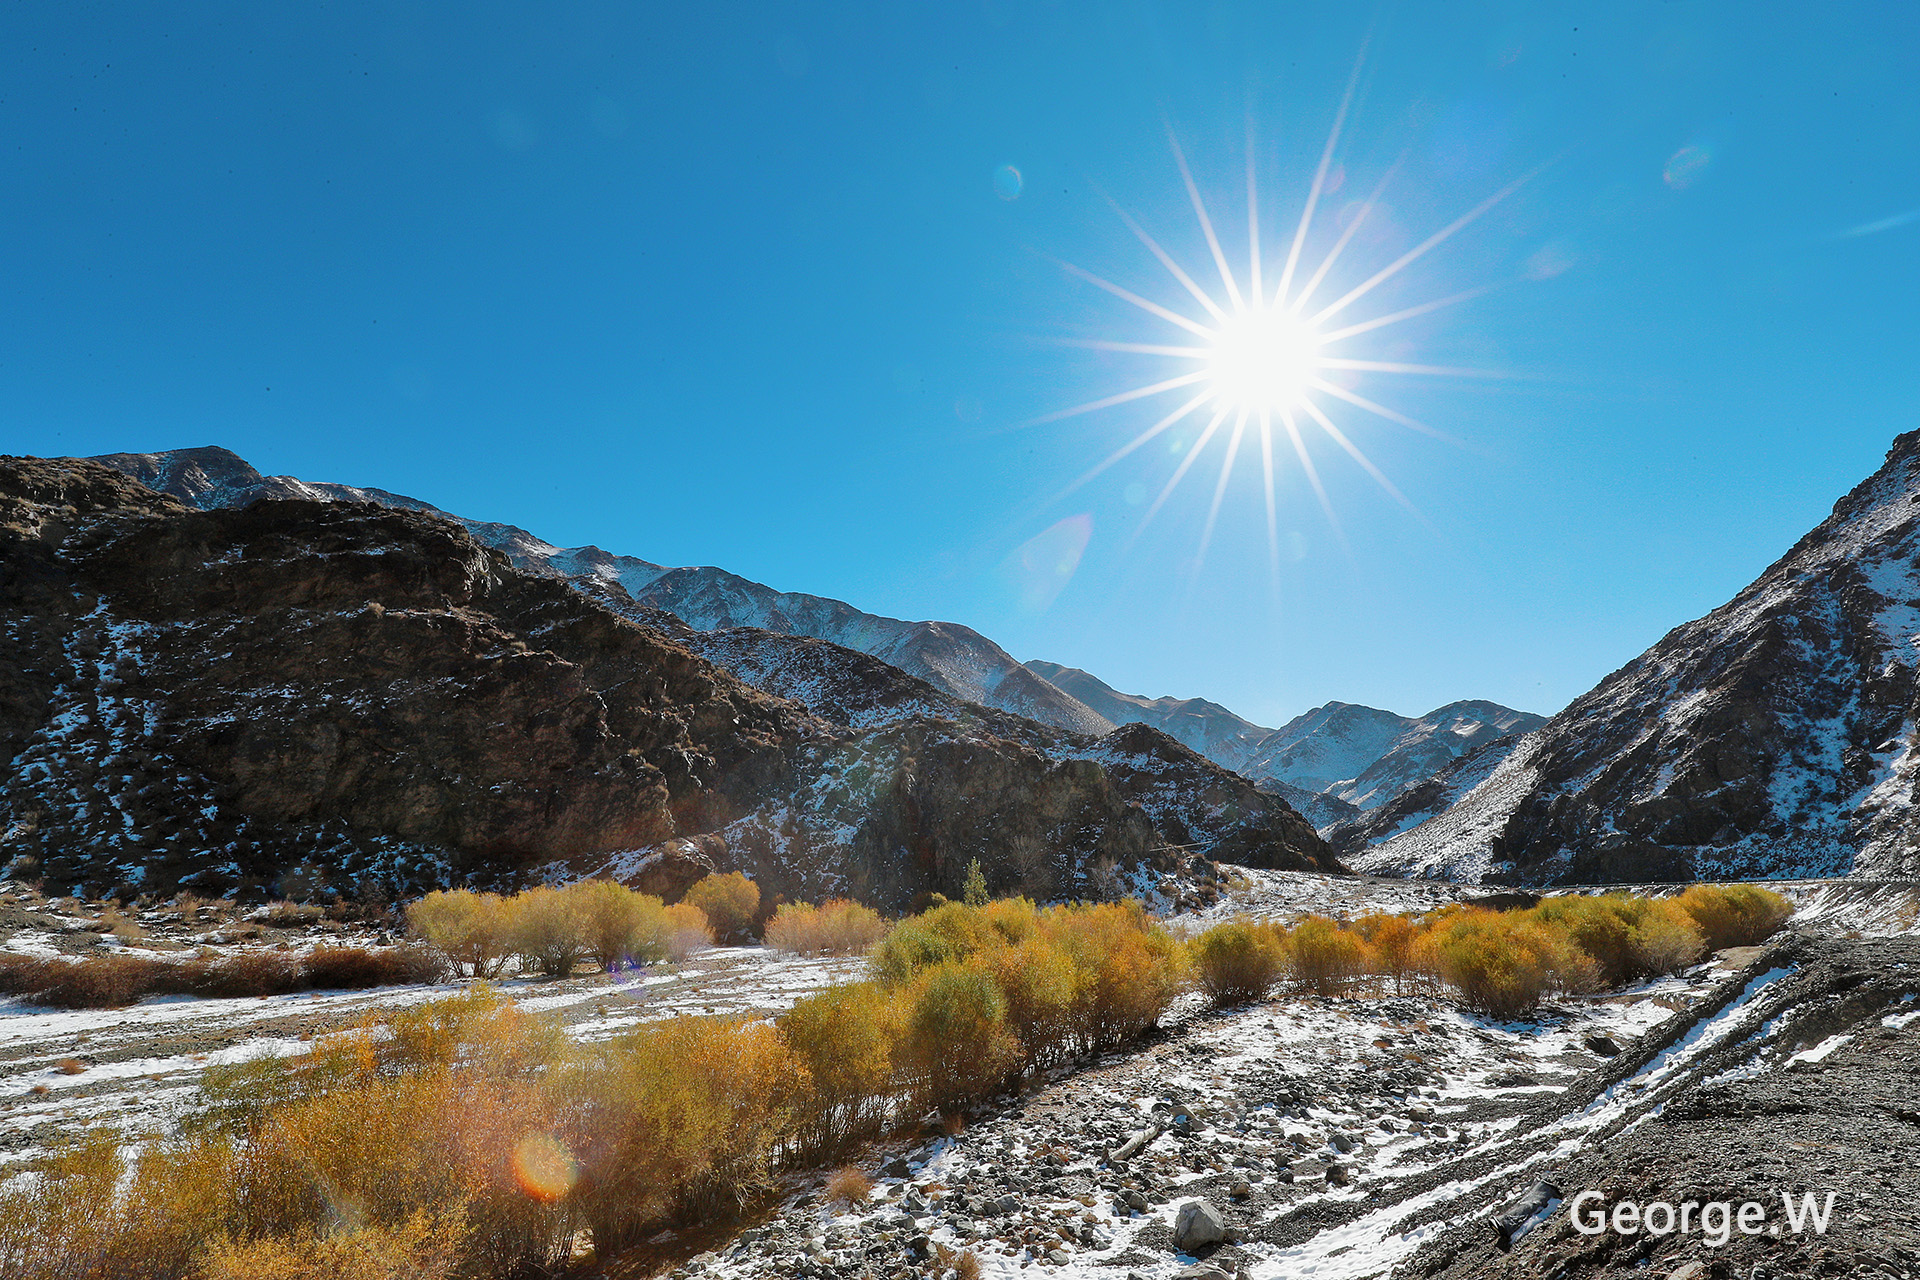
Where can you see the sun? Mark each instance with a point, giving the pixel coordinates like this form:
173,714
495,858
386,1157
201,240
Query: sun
1262,361
1271,353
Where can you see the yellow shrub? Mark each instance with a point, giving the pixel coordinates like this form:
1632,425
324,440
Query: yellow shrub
1044,989
836,928
1133,968
427,1246
1324,958
1501,964
1237,961
731,903
678,1119
956,1045
470,929
1392,945
684,930
1666,939
845,1038
947,933
548,930
1735,915
618,924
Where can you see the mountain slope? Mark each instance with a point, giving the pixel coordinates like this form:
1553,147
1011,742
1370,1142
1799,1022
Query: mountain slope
894,782
955,659
1775,736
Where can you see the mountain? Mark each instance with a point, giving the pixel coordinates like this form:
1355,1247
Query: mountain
889,785
1207,727
1356,758
954,659
1776,736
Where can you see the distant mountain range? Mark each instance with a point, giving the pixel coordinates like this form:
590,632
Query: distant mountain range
1353,758
1777,736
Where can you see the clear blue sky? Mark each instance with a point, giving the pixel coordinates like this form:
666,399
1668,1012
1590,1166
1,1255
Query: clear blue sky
727,284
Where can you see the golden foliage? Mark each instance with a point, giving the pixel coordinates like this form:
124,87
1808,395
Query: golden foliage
731,903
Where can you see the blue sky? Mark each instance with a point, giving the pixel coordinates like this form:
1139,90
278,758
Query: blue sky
735,285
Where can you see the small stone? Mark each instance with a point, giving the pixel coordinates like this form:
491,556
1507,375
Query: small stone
1691,1271
1241,1191
1337,1175
1201,1271
1605,1046
1058,1257
920,1246
1134,1200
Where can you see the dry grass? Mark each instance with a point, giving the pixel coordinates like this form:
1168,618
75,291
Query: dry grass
70,1067
849,1187
115,981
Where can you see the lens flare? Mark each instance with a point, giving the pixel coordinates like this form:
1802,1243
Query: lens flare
543,1168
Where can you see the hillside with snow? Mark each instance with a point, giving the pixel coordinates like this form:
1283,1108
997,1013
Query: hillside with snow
1774,737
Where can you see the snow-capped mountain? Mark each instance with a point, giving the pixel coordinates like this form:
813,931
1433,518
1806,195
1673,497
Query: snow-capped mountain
1777,736
1356,757
1207,727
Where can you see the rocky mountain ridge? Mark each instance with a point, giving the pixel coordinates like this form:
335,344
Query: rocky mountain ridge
1777,736
331,694
954,659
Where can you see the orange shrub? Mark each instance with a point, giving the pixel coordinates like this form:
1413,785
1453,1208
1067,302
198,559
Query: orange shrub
677,1119
1502,964
1735,915
836,928
845,1037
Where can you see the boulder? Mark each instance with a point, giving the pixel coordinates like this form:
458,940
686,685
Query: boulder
1198,1225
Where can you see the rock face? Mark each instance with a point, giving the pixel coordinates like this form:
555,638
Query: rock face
1774,737
1207,727
954,659
343,694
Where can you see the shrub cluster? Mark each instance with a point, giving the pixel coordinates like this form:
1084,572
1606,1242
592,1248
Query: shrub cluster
552,930
113,981
836,928
1499,962
731,903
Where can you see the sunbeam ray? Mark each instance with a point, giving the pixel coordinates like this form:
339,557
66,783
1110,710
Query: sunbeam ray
1299,300
1312,472
1127,295
1152,431
1391,415
1414,254
1133,348
1273,513
1166,260
1206,225
1366,464
1427,370
1253,220
1220,485
1425,308
1179,472
1319,180
1138,393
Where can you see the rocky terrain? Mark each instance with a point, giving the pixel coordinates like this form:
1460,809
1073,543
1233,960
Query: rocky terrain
1775,736
336,697
1381,1136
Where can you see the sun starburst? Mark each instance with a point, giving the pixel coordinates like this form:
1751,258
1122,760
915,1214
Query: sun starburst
1262,357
